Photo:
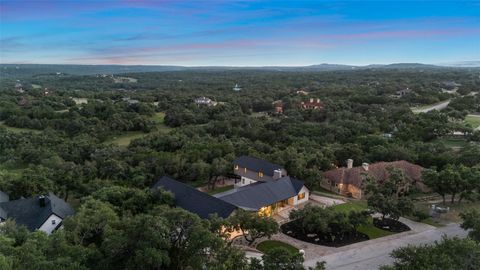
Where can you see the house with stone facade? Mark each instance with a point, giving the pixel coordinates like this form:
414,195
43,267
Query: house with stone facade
349,181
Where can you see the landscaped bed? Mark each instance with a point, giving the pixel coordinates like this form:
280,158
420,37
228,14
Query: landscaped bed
390,225
328,226
337,240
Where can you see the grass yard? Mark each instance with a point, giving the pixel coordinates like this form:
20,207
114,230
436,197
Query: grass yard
271,244
372,231
351,206
19,130
368,229
159,117
125,138
453,142
220,189
472,120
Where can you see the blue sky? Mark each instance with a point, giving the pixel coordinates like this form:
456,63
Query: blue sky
238,33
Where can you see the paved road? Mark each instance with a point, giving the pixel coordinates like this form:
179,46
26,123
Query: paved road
372,254
438,107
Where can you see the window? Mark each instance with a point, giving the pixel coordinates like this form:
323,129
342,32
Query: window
236,167
243,181
260,174
245,169
301,196
54,221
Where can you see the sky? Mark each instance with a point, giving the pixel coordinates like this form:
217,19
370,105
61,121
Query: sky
238,33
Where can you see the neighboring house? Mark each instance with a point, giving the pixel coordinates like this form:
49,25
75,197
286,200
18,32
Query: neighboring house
251,170
267,198
193,200
19,87
237,87
348,180
43,212
278,106
402,93
312,104
130,101
302,92
205,101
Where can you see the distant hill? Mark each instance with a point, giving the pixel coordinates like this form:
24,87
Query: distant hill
21,70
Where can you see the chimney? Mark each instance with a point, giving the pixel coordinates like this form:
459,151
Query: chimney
277,174
365,166
349,163
42,200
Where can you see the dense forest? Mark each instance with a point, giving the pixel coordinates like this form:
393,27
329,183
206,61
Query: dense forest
58,132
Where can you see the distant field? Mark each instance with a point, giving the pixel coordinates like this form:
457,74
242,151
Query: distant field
36,86
453,142
80,100
19,130
473,120
124,79
125,138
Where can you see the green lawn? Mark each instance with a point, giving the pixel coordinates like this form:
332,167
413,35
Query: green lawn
453,142
19,130
159,117
220,189
368,229
372,231
125,138
350,206
473,120
271,244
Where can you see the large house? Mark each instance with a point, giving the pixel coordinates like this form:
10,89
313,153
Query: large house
264,188
312,104
194,200
205,101
251,170
348,180
267,198
43,212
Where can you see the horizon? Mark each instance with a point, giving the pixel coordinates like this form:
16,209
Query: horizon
238,34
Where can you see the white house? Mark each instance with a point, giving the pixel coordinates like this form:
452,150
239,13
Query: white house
43,212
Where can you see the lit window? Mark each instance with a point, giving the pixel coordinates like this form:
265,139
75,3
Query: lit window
301,196
245,169
236,167
260,174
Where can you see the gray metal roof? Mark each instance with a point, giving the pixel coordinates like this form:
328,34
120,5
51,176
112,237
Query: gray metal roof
194,200
3,197
30,213
258,195
3,214
257,165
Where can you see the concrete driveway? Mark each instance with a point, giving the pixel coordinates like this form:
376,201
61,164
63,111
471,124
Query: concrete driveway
374,253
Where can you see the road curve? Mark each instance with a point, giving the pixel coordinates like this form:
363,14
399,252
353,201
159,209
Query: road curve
376,253
438,107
